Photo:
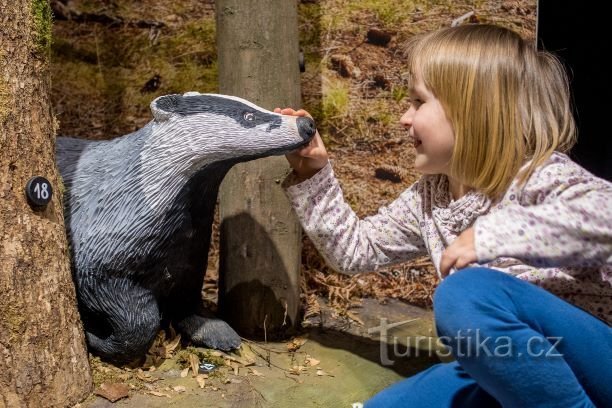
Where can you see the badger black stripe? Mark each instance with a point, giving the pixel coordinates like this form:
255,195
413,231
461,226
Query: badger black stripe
194,104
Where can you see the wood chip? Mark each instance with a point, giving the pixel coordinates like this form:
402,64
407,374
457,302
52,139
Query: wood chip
112,391
194,362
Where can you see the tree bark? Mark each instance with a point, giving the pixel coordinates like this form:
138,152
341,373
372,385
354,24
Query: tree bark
258,58
43,358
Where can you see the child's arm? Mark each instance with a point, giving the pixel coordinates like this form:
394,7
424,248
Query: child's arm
564,218
351,245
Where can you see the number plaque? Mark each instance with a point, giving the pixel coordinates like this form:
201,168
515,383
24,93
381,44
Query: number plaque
39,191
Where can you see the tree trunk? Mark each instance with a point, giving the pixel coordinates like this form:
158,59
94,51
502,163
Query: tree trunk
258,59
43,359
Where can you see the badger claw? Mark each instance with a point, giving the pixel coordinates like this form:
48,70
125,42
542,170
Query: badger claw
209,332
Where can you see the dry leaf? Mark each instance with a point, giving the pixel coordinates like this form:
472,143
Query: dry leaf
194,361
179,388
355,318
146,377
296,370
295,344
112,391
185,372
256,373
171,346
247,355
159,394
201,379
321,373
311,362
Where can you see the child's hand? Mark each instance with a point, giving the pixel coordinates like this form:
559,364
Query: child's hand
308,160
460,253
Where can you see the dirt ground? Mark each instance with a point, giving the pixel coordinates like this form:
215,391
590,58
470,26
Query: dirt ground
111,58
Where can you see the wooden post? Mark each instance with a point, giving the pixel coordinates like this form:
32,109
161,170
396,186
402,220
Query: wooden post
260,246
43,359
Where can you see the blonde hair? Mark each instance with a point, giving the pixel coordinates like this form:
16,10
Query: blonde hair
508,103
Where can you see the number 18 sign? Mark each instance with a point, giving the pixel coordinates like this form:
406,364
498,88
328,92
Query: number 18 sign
39,191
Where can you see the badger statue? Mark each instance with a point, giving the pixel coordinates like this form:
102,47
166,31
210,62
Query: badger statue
139,212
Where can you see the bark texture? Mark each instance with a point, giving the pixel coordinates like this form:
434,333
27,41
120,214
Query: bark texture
43,358
260,244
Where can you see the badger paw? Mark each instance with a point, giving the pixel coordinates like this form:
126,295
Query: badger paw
209,332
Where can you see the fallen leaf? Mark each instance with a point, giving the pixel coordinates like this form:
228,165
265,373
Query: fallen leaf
179,388
295,344
185,372
355,318
297,370
247,355
159,394
172,345
256,373
146,377
201,379
194,361
112,391
322,373
311,362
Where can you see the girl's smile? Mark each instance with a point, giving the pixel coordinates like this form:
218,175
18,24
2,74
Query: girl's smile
430,131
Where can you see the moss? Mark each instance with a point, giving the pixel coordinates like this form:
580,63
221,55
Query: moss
14,320
5,97
43,24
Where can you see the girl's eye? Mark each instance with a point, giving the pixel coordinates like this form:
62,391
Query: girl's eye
416,102
249,116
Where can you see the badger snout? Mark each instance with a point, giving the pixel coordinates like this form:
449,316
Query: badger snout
306,127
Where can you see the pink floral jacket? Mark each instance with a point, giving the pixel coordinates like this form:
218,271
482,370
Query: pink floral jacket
555,230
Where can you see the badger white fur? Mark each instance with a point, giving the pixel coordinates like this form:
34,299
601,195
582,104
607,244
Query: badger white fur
139,212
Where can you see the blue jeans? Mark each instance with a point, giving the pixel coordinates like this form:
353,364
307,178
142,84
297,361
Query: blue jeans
515,345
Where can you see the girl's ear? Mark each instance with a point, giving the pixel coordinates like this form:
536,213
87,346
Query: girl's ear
163,107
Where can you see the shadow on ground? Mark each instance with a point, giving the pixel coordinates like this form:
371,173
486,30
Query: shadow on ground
335,363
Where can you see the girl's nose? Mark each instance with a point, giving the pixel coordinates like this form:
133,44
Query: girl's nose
406,119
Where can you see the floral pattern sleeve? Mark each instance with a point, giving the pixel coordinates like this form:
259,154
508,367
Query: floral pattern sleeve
561,218
350,244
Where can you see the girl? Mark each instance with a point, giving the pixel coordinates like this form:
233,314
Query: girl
490,120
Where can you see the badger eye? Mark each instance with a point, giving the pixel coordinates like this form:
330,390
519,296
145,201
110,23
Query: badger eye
249,116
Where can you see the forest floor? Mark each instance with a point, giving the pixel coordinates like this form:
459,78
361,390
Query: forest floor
111,58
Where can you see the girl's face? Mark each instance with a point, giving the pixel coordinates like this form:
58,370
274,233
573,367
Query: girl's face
430,131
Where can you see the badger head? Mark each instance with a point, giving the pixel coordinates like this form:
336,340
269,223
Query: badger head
207,128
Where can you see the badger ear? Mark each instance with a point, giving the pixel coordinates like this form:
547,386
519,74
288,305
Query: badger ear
163,107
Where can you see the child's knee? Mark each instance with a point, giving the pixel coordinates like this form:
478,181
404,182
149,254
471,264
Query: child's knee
461,295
